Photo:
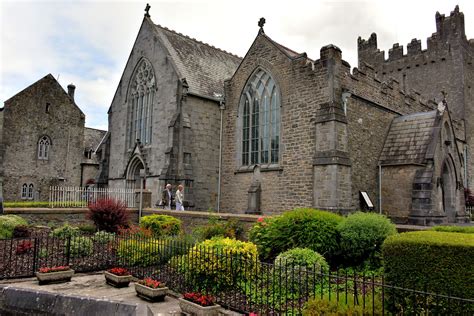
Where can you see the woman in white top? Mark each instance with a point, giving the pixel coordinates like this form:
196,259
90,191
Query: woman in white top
180,198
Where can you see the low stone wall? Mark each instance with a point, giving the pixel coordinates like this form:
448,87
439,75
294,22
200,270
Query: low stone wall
20,301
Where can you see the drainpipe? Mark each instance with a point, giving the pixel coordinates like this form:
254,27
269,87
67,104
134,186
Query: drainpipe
221,108
380,188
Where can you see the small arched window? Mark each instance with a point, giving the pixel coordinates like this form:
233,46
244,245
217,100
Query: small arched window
260,106
30,191
24,191
44,146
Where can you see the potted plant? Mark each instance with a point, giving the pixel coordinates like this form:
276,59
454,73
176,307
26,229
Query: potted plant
198,304
57,274
151,290
118,277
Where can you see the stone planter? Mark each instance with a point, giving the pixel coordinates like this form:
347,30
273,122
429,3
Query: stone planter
150,294
117,280
198,310
54,277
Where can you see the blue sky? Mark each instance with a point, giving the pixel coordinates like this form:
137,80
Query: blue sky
88,42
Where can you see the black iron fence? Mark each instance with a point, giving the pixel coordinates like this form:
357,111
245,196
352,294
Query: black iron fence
237,280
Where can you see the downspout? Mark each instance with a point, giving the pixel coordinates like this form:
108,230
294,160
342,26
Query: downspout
380,188
221,109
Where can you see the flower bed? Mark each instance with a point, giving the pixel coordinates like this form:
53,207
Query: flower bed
58,274
151,290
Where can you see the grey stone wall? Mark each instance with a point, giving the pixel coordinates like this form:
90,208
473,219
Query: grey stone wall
26,120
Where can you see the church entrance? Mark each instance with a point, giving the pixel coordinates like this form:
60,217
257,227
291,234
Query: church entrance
133,174
448,189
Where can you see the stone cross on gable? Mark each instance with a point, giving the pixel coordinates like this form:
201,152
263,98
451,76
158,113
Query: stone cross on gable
147,9
261,23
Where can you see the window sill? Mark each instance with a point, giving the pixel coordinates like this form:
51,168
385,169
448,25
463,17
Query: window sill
263,168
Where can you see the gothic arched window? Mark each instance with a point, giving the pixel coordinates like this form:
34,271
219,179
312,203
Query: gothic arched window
30,191
24,191
140,104
260,115
44,145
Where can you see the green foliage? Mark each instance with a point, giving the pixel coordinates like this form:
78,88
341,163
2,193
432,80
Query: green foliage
80,246
161,225
354,306
43,253
455,229
103,237
437,262
308,228
143,252
87,228
302,258
8,224
65,231
218,263
40,204
231,228
362,236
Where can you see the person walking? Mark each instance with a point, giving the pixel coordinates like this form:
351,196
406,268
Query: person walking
167,197
180,198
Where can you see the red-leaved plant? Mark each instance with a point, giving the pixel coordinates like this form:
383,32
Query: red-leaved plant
135,231
200,299
23,247
149,282
54,269
108,215
119,271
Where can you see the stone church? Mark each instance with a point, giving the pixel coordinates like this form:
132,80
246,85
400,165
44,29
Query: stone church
43,142
278,129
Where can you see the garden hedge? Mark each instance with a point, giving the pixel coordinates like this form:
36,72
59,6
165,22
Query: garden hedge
438,262
455,229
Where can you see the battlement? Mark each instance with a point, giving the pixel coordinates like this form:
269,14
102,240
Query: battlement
450,30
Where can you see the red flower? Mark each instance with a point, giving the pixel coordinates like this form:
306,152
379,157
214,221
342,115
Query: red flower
119,271
200,299
54,269
149,282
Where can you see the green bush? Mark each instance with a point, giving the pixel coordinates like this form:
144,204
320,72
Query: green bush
65,231
302,258
307,228
25,204
218,263
87,228
161,225
214,228
142,252
455,229
362,236
338,306
103,237
80,246
8,224
437,262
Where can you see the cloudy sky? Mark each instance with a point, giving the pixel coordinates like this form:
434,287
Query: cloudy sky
88,42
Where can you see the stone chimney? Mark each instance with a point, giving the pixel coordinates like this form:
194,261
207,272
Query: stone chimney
70,91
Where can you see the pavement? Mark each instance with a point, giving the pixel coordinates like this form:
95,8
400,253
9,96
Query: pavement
93,285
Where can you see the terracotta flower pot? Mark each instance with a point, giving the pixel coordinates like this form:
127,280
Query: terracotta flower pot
117,280
198,310
151,294
54,277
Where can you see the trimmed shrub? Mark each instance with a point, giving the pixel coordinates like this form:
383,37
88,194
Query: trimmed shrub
438,262
308,228
8,224
65,231
87,228
455,229
25,204
21,231
80,247
338,306
142,252
218,263
102,237
108,215
362,236
302,258
161,225
230,228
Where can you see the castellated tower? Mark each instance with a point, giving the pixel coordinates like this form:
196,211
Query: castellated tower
445,66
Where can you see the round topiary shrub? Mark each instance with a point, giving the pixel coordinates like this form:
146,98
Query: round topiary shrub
8,224
362,236
302,258
161,225
80,246
219,263
307,228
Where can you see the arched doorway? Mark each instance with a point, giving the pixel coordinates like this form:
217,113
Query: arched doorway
133,173
448,189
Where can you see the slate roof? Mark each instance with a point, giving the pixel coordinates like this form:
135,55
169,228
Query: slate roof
408,139
92,137
205,67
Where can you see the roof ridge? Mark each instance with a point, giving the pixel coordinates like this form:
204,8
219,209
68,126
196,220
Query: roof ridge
197,41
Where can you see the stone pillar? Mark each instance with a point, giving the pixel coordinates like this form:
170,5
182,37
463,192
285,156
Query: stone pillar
254,193
331,162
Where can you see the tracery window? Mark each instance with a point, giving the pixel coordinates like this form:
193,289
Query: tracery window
44,145
27,191
140,104
260,106
30,191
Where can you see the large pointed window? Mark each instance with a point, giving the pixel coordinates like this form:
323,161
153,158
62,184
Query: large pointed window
44,145
260,115
140,104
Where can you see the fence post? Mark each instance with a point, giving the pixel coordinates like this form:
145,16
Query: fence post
68,250
35,256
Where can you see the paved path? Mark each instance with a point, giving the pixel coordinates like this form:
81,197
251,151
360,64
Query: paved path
93,285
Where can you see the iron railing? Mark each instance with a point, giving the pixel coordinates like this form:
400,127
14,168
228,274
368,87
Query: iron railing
237,281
